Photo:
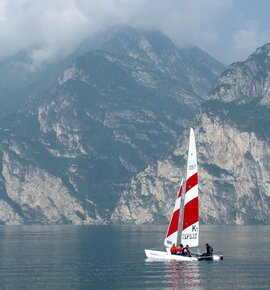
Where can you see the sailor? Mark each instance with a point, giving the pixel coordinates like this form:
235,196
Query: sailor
186,251
179,250
173,249
209,250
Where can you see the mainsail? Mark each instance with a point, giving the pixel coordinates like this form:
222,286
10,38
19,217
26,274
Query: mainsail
190,227
188,205
172,233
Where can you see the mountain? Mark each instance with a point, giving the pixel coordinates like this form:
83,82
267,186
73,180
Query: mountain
192,68
21,77
232,130
19,80
69,153
240,156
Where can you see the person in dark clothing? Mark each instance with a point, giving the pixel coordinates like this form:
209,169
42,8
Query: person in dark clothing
186,251
209,250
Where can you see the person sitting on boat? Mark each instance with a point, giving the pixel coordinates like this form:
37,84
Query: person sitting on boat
209,250
186,251
179,250
173,249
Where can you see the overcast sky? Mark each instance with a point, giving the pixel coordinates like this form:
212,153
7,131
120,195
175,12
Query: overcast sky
229,30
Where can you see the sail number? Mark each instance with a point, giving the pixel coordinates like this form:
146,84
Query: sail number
190,236
193,235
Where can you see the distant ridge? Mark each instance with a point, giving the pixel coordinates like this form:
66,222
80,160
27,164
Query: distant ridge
68,153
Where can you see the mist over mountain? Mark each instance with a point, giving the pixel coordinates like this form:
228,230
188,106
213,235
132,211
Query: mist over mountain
69,153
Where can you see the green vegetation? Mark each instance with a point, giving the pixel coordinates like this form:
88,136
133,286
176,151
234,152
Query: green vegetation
215,170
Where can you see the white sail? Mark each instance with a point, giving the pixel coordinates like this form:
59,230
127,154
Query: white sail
190,212
190,227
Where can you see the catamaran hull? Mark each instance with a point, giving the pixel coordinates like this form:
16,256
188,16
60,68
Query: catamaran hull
211,258
167,256
159,255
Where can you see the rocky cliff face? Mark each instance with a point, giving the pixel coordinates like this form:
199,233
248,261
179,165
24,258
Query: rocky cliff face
236,182
233,143
69,154
96,147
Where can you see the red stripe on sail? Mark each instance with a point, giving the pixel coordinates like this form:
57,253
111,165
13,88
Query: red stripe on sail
192,181
191,213
174,223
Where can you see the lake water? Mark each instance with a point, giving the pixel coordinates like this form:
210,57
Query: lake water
112,257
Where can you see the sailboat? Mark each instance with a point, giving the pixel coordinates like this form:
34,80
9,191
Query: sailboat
184,224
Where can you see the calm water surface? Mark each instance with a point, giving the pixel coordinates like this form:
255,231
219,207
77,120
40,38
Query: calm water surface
112,257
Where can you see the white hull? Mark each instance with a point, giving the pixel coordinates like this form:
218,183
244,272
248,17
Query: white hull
217,257
162,255
168,256
211,258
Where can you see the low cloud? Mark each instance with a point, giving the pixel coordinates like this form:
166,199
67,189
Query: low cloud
247,39
49,30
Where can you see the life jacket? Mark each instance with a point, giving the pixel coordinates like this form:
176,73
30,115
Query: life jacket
173,249
179,250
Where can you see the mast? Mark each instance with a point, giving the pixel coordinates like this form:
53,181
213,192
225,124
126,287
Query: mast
181,218
172,232
190,226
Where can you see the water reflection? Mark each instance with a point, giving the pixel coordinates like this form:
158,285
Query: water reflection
112,257
184,275
176,275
